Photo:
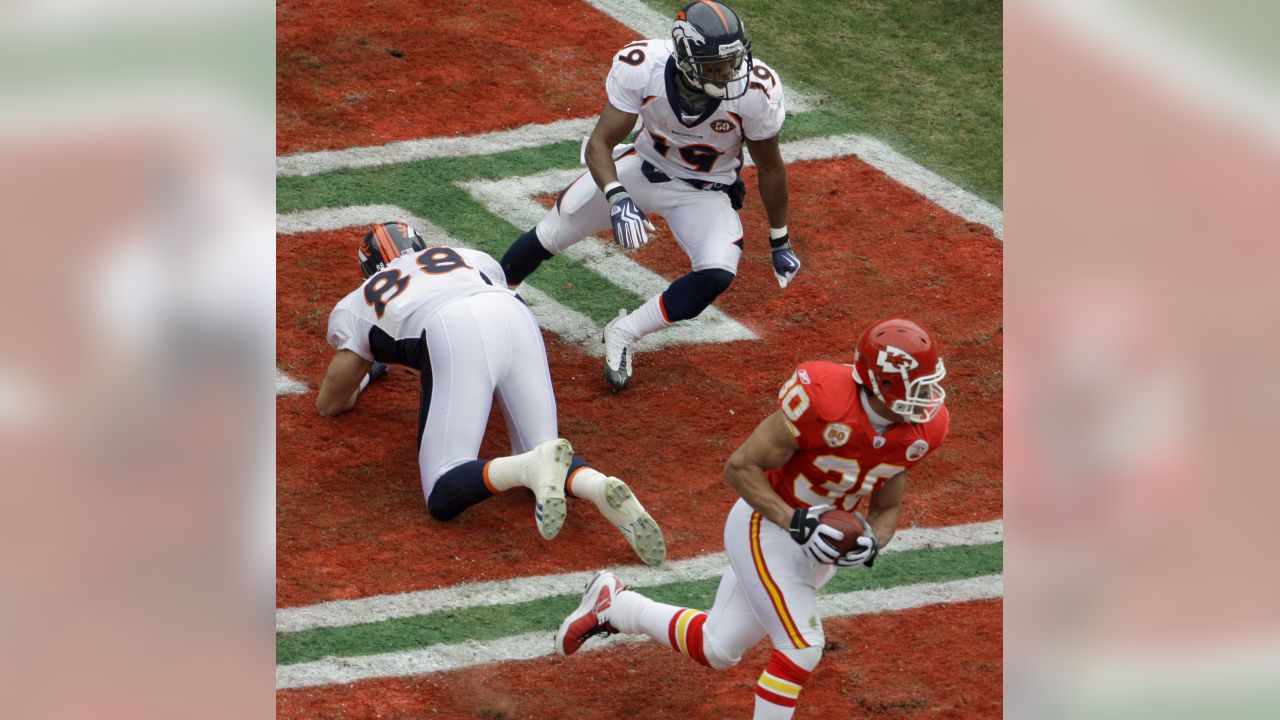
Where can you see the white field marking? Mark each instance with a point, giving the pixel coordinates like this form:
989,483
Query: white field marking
286,385
341,613
649,23
569,324
512,200
526,136
440,658
875,153
940,191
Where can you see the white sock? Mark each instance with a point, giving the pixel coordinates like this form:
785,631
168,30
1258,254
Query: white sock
779,686
586,483
767,710
636,614
503,473
646,319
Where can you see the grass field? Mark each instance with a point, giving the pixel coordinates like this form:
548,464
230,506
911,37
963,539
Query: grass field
385,612
923,75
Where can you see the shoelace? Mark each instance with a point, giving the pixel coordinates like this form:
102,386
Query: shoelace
594,632
600,628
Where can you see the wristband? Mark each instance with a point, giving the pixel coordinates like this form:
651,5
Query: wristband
779,242
613,189
775,233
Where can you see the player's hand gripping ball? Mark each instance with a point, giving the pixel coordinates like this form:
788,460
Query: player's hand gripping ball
847,523
859,545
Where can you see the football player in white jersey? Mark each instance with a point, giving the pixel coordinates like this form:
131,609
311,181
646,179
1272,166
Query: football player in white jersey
700,96
447,313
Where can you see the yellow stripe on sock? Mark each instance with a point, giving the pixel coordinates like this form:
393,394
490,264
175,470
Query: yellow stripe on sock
682,625
780,686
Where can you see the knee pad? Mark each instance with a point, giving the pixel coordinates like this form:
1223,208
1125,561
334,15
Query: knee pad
806,659
715,658
690,295
440,509
718,657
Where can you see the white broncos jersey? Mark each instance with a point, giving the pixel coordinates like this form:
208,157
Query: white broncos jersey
395,305
707,147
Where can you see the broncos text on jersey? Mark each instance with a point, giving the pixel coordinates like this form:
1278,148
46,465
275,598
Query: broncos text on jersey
707,147
841,457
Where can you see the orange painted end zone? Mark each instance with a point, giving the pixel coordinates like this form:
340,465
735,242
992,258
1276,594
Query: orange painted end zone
349,76
351,515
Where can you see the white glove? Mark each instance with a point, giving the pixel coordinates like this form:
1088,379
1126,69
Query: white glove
813,536
628,220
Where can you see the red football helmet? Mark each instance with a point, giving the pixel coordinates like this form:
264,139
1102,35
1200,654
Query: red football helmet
896,360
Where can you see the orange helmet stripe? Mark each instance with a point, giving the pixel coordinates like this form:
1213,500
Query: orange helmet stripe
386,246
722,17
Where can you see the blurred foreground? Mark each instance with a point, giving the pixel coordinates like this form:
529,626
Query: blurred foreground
136,410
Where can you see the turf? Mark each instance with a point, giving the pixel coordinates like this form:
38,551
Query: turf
545,614
924,75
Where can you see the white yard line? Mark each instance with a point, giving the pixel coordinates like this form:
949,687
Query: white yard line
569,324
897,166
713,326
942,192
440,658
526,136
341,613
512,199
286,385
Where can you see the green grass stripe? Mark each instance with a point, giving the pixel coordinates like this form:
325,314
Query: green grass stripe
340,188
426,189
924,76
545,614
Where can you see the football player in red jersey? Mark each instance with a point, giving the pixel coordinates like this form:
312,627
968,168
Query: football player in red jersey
840,433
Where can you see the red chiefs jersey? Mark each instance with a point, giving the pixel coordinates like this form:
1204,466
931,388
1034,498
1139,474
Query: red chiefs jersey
841,458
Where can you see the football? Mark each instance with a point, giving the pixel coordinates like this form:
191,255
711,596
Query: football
846,523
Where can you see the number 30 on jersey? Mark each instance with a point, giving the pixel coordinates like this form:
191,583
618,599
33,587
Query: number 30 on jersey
853,483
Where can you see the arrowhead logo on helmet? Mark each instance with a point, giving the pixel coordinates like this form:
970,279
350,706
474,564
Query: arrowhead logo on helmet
893,360
909,383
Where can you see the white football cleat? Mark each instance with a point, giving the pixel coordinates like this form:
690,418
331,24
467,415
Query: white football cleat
637,525
617,354
592,616
545,471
